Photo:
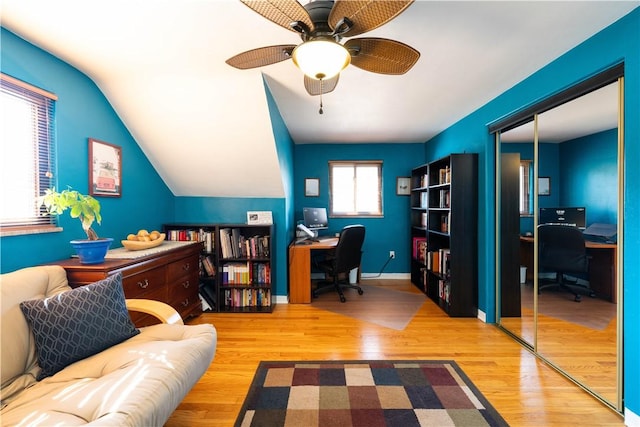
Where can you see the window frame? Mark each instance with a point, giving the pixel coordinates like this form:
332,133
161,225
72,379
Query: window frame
525,204
355,164
42,105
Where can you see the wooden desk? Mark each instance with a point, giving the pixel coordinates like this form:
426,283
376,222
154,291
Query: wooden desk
300,269
602,266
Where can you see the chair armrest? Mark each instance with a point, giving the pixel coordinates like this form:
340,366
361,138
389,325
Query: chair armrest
164,312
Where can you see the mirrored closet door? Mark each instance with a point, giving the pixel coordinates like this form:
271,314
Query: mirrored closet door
559,205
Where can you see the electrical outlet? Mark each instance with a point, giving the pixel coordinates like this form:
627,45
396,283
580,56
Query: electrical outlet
392,254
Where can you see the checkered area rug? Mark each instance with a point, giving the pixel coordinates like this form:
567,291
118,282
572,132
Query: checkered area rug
364,393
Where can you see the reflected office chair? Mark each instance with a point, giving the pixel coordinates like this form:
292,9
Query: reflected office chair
561,249
338,264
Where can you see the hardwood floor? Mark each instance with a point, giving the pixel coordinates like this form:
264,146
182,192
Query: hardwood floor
523,389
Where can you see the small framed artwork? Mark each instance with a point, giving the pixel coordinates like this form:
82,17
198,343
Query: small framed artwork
403,186
259,217
105,169
311,187
544,186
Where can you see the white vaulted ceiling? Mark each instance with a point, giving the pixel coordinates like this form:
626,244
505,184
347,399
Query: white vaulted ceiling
190,111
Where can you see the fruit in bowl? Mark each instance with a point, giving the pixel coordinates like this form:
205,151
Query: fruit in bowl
143,239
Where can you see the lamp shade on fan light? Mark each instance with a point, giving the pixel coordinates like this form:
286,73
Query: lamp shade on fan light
321,59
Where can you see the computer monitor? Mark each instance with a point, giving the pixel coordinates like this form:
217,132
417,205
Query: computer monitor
576,217
315,218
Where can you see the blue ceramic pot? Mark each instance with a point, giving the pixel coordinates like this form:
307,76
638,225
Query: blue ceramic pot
92,251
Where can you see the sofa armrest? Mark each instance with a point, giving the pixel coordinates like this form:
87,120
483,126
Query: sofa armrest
164,312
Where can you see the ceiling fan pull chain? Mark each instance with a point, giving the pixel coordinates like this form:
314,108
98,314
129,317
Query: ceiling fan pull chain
321,90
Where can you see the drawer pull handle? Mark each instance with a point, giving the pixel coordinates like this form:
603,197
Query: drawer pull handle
144,284
186,266
186,284
185,303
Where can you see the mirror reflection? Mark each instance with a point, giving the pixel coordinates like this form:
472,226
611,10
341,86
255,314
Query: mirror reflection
577,304
516,224
558,215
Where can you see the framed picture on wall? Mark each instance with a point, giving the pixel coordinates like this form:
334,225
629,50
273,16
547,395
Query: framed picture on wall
312,187
105,169
403,186
544,186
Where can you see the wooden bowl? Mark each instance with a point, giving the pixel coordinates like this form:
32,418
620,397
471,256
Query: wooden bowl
134,245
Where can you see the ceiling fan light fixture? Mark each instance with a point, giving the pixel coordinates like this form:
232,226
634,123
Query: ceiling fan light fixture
321,59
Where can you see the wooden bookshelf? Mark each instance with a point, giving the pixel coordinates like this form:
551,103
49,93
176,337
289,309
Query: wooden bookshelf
448,271
235,264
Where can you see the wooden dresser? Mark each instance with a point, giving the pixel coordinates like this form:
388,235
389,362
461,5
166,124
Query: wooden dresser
170,274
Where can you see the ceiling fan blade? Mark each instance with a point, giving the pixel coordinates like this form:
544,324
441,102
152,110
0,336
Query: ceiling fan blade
382,56
281,12
314,87
261,56
365,14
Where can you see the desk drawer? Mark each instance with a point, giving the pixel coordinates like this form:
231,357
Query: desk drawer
184,293
145,283
181,268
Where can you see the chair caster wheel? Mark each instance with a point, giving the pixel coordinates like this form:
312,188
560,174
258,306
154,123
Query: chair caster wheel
578,298
342,298
360,292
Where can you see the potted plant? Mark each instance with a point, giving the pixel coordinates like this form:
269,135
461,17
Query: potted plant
93,249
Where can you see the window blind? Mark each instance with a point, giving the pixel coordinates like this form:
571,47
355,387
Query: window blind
28,152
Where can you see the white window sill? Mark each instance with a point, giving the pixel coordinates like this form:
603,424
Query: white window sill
31,230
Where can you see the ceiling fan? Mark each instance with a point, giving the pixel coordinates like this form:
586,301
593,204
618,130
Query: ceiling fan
322,24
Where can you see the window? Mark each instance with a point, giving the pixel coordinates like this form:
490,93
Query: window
27,145
525,187
355,188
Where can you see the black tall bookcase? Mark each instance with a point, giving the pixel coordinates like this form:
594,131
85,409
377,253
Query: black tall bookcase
235,264
444,232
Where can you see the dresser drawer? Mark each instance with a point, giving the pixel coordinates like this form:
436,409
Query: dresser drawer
181,268
145,283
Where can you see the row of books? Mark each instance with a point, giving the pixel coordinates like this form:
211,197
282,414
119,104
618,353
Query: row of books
236,245
207,266
439,261
246,273
424,199
444,291
419,249
193,235
445,222
444,175
423,182
445,199
240,298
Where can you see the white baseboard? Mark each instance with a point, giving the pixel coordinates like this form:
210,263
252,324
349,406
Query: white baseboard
389,276
631,419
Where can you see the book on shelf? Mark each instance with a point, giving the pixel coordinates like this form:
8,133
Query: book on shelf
246,273
208,294
208,265
242,298
445,199
444,175
424,199
445,222
419,248
235,245
423,219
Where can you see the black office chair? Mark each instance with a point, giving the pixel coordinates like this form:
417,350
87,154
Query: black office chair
561,249
344,258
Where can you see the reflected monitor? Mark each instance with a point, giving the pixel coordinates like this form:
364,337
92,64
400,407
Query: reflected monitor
564,216
315,218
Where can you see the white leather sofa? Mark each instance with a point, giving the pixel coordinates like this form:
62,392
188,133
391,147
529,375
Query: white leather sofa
137,382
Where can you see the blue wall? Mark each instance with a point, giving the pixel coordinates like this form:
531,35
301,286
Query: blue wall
619,42
588,176
392,231
82,111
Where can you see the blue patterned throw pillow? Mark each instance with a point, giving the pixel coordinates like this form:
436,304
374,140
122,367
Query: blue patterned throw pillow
78,323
